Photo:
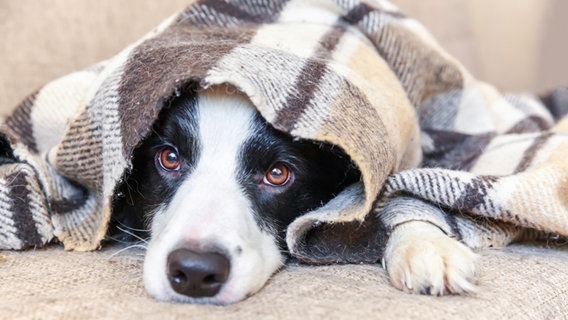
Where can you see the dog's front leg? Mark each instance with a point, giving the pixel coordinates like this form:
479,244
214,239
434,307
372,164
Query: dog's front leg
421,258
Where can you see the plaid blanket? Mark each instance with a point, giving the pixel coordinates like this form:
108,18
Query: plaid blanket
432,143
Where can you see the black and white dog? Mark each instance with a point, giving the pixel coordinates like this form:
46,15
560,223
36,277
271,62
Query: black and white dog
216,186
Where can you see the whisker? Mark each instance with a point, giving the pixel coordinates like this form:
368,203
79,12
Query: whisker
133,234
139,246
133,229
117,240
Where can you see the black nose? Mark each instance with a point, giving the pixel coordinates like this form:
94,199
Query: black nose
197,274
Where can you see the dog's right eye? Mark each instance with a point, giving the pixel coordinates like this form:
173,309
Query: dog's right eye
169,159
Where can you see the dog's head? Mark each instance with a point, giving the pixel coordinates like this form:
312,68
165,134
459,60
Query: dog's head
217,186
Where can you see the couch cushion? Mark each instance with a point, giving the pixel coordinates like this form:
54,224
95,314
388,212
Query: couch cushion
518,282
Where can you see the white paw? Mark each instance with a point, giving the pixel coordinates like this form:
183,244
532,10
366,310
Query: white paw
420,258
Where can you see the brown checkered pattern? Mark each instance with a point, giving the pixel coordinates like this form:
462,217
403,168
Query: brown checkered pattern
432,143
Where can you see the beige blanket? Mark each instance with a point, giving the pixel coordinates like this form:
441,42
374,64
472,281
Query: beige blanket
432,143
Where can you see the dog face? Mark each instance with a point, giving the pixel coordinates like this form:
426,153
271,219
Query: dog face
217,186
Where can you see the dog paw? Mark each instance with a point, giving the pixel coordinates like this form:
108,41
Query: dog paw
420,258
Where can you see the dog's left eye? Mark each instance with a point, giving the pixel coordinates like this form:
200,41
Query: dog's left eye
169,159
278,175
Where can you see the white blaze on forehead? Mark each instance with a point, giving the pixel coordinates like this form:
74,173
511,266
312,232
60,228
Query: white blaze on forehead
212,187
211,196
224,126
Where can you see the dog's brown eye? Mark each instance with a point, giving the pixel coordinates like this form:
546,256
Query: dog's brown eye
278,175
169,159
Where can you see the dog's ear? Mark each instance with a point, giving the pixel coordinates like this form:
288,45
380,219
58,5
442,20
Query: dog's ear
343,242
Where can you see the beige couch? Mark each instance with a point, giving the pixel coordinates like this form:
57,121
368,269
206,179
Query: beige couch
43,39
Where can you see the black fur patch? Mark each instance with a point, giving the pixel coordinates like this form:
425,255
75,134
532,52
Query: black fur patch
143,189
320,172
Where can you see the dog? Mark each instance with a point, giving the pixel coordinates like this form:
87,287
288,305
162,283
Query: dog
215,186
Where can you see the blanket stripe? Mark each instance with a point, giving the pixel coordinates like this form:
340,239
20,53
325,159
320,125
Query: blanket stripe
20,122
25,220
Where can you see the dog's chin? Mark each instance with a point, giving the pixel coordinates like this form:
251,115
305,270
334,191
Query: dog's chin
250,271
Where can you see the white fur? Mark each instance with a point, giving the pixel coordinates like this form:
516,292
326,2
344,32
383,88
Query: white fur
419,256
211,209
